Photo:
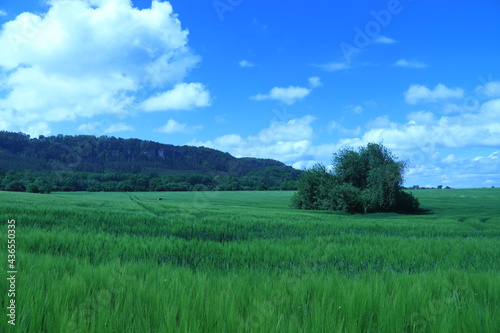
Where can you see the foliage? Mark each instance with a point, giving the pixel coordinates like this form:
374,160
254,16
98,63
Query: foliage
365,181
313,189
89,163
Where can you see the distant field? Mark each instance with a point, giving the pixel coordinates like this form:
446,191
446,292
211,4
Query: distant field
247,262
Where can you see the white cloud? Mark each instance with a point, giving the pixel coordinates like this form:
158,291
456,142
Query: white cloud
289,95
421,118
471,172
421,139
229,141
419,93
105,126
304,165
384,40
184,96
335,126
315,81
489,113
333,66
3,13
490,89
173,126
425,136
456,108
450,159
355,109
37,129
119,127
294,129
425,129
285,141
89,127
246,63
87,58
410,64
494,155
37,95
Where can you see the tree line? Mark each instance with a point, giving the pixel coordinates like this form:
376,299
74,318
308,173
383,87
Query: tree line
89,163
35,182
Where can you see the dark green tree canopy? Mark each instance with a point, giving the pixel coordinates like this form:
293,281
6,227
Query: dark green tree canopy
364,181
89,163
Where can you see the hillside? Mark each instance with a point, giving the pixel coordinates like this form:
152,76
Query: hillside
105,163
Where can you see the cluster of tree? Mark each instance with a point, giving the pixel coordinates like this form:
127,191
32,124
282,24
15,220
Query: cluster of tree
88,163
109,154
37,182
365,181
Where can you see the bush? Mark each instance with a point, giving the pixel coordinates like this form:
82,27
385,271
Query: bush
314,189
200,187
15,186
346,198
407,203
32,188
365,181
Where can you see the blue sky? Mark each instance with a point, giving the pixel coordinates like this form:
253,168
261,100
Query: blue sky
294,82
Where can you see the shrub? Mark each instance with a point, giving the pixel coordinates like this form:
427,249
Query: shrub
313,189
200,187
32,188
365,181
346,198
15,186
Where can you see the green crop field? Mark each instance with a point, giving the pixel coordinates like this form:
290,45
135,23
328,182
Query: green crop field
247,262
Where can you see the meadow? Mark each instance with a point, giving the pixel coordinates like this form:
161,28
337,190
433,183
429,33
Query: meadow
247,262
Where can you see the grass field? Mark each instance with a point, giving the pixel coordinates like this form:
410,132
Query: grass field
246,262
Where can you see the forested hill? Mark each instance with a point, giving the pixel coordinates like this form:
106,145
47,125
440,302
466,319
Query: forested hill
105,163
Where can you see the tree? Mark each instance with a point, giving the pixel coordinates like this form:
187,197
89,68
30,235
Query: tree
15,186
314,188
85,162
32,188
365,181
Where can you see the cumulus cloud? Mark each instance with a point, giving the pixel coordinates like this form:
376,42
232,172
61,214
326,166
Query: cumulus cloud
479,170
286,141
335,126
118,127
490,89
355,109
425,135
173,126
89,127
410,64
291,94
333,66
419,93
420,139
100,127
315,81
87,58
424,128
183,96
37,129
246,63
288,95
384,40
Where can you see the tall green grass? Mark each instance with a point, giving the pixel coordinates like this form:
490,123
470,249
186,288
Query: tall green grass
246,262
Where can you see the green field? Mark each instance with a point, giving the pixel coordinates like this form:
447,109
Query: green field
247,262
